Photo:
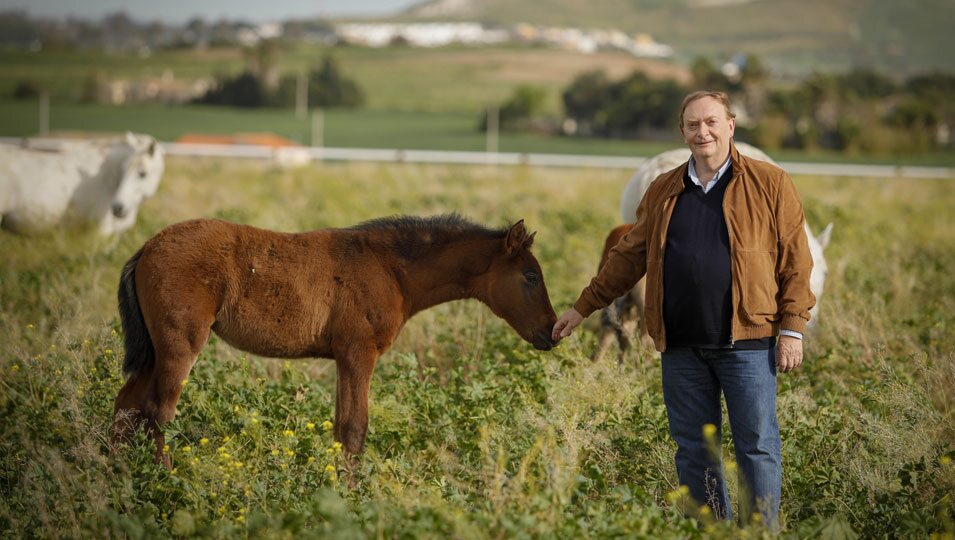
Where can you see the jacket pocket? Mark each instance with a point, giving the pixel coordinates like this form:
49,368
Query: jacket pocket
653,303
758,287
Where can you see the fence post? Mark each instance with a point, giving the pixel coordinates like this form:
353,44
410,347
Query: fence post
301,95
492,129
44,113
318,128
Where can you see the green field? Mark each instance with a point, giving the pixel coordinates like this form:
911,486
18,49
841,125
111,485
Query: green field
363,128
416,98
458,79
473,434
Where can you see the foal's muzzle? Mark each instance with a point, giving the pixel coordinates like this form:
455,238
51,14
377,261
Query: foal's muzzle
543,342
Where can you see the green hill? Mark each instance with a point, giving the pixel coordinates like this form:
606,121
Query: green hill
793,37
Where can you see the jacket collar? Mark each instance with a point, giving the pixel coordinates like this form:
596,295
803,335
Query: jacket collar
676,181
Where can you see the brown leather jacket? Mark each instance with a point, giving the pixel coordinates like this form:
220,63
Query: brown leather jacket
769,251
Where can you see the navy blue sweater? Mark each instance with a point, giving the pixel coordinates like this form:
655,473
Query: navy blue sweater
697,273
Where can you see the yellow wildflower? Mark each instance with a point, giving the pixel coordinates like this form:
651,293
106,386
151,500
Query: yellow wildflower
16,367
186,449
327,425
329,468
289,453
311,459
165,449
945,460
288,433
275,452
337,446
310,426
203,441
30,326
709,431
284,465
240,519
684,490
184,382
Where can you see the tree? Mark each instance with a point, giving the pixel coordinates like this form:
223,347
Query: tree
244,90
328,87
521,108
587,94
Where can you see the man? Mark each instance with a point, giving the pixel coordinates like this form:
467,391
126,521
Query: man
721,242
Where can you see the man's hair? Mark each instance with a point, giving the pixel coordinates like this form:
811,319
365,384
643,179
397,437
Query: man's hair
722,97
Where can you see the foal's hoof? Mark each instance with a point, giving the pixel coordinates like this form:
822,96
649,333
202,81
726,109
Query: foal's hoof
163,459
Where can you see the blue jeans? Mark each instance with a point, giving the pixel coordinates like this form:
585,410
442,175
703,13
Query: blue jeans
692,381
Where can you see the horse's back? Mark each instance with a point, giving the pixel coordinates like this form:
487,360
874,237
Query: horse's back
37,186
267,292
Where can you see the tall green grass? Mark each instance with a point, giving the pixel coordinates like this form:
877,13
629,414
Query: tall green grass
473,434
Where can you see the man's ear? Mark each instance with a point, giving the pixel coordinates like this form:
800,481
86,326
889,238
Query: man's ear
515,238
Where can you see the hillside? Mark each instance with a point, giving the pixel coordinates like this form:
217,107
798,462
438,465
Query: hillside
793,37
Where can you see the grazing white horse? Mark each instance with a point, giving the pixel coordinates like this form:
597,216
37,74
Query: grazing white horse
78,184
628,309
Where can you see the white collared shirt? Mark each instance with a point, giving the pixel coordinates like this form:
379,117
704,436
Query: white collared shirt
691,171
719,172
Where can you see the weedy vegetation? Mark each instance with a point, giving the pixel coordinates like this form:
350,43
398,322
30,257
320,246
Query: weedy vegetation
473,434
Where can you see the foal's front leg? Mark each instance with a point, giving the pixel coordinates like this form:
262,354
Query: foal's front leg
351,412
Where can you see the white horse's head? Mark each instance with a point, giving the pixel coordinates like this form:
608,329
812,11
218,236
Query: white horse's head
140,172
817,279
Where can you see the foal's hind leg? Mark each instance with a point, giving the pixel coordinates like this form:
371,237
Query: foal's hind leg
150,396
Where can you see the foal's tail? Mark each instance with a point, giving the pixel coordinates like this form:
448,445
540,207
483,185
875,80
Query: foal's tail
138,345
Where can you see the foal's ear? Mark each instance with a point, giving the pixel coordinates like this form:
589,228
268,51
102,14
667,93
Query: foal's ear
515,238
152,148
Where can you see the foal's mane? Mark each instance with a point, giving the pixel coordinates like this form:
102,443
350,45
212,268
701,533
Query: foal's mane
414,236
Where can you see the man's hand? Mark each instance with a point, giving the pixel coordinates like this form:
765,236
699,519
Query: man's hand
788,353
566,324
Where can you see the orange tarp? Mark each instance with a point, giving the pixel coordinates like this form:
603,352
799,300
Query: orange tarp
257,139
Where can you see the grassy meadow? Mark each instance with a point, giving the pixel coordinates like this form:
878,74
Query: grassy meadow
473,434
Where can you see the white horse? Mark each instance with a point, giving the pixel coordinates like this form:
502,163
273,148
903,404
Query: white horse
78,184
628,309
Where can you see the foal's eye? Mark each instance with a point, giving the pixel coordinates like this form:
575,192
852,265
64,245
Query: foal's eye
142,174
531,277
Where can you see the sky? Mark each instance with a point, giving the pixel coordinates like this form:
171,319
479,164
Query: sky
178,11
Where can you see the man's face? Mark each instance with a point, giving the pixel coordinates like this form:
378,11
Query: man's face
707,130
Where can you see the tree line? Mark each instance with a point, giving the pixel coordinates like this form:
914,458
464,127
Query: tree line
860,111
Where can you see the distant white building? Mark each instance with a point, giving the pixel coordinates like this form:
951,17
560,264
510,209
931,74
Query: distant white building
420,34
441,34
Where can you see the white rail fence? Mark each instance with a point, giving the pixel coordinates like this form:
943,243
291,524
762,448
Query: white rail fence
299,155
